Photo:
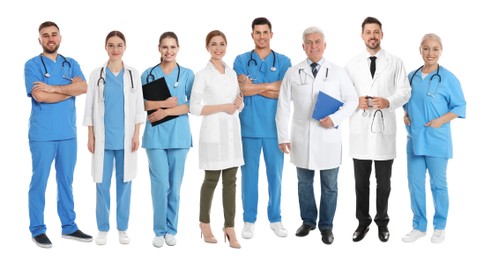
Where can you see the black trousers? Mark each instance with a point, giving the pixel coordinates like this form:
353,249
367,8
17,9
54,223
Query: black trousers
383,172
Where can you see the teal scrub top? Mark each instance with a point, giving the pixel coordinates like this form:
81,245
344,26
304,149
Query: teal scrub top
114,111
431,99
258,118
175,133
51,121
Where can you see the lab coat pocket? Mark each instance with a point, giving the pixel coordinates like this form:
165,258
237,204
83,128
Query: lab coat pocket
356,121
210,130
299,130
331,135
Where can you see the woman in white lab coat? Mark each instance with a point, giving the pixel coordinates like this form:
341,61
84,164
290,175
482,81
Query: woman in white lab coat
216,97
113,113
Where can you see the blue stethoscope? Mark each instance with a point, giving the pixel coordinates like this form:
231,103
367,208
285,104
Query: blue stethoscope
437,74
46,73
103,80
251,59
150,75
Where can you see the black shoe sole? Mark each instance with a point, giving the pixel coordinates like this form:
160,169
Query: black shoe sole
361,236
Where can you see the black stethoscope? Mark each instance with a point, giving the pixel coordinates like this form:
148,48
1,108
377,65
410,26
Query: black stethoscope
251,59
437,74
46,73
101,78
273,68
176,84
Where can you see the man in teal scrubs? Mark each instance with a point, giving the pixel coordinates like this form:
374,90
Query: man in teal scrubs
260,72
52,82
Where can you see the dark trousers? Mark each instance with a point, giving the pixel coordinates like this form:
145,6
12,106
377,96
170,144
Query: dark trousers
383,172
229,178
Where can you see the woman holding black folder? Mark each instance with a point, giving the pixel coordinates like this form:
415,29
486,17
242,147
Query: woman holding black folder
113,114
167,136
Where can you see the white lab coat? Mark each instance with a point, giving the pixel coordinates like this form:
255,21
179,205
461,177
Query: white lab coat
313,146
375,139
220,142
134,113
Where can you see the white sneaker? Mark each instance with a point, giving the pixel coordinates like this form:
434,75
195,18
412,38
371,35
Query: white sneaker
170,240
158,241
278,229
101,238
123,237
438,236
248,230
413,236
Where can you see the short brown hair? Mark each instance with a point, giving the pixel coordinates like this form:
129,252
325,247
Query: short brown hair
369,20
47,24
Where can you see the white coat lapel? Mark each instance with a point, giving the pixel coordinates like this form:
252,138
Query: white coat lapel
382,64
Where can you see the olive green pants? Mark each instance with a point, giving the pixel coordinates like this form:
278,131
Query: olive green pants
229,177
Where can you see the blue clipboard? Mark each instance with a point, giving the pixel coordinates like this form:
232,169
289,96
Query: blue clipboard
325,105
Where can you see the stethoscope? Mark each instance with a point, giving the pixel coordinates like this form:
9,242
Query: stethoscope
103,80
437,74
378,111
150,75
251,59
303,80
46,73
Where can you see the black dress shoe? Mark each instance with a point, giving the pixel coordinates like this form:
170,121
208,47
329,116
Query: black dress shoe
383,233
360,233
327,236
304,230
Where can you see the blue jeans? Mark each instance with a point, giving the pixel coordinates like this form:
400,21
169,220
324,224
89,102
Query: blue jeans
329,197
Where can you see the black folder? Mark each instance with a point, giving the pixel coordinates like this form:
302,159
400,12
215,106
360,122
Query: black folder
157,90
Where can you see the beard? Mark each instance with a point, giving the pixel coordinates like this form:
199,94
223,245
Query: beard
375,46
50,50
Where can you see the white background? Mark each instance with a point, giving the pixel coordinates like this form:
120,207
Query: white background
463,26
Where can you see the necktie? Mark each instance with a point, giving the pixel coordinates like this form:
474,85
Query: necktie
314,68
372,65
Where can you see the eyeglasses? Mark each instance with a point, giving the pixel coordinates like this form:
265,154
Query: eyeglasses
115,46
